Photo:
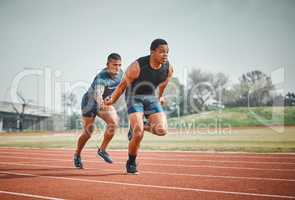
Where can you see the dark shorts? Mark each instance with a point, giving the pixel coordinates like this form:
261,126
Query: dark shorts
89,106
143,103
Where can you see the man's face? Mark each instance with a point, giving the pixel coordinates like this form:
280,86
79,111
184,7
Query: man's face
161,53
114,66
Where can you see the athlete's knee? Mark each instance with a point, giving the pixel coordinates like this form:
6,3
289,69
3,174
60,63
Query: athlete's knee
86,135
113,121
88,130
137,136
160,130
113,125
138,133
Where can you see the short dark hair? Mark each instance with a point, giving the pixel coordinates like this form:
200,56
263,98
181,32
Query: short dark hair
156,43
114,56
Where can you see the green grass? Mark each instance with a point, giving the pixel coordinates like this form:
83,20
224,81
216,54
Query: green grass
260,129
238,117
237,139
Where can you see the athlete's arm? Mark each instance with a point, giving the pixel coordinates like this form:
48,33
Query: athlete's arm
163,85
131,74
98,94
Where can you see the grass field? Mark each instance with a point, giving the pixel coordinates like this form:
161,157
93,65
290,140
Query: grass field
262,139
244,129
239,117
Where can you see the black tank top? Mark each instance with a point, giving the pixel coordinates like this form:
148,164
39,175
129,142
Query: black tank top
148,79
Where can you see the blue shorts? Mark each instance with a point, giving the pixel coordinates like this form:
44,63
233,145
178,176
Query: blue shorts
89,106
147,104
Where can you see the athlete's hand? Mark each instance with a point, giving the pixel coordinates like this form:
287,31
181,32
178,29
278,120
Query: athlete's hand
102,106
162,100
108,101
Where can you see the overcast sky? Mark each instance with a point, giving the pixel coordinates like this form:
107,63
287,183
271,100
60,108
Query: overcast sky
73,38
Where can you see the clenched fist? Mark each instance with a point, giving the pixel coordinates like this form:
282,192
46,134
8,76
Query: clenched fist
108,101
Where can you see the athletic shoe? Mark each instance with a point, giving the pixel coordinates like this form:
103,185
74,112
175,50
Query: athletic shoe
78,162
105,156
131,168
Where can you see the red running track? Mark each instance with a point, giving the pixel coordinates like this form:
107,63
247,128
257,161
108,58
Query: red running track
49,174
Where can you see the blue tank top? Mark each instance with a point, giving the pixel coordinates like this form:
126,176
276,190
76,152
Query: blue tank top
104,79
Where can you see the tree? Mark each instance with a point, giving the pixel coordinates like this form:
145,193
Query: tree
231,96
290,99
75,120
204,86
255,87
174,95
69,101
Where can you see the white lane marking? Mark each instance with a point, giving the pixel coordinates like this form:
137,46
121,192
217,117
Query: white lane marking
157,173
166,159
185,154
166,165
156,186
29,195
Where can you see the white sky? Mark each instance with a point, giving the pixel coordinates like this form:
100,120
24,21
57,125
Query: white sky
75,37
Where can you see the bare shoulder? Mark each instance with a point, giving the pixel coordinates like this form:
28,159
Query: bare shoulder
171,70
132,71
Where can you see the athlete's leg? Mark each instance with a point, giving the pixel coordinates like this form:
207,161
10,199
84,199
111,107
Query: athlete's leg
89,109
109,115
86,134
136,123
157,121
157,124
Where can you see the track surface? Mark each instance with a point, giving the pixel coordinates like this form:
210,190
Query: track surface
49,174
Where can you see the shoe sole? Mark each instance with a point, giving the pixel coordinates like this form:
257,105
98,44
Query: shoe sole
77,167
103,159
130,173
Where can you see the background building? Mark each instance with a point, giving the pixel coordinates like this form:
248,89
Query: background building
34,118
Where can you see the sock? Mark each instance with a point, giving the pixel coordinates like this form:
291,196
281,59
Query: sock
132,158
76,156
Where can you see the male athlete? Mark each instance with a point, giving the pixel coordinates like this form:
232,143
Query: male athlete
102,86
141,80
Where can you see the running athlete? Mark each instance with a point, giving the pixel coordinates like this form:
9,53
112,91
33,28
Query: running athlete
141,80
92,105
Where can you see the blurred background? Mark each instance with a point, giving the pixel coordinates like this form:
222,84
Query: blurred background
234,61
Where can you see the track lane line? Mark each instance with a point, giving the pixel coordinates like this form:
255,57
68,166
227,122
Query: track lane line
157,173
155,186
173,153
166,159
29,195
166,165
